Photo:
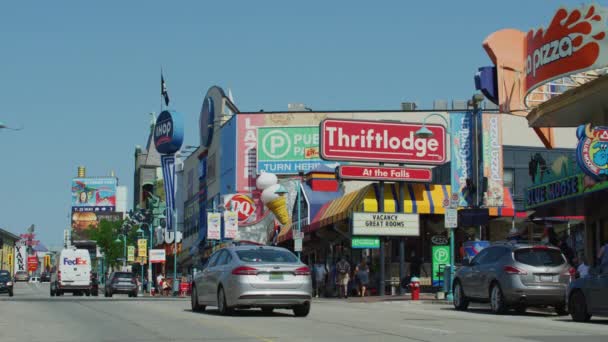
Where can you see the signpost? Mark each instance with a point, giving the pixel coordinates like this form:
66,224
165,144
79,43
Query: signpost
386,224
364,172
365,242
377,141
441,258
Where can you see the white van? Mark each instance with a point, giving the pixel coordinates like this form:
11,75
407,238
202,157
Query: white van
73,273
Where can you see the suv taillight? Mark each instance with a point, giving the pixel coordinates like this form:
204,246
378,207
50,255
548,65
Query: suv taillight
513,270
305,271
245,270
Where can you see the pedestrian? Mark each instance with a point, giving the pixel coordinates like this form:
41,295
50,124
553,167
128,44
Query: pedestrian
343,276
320,274
362,275
167,284
145,285
159,283
582,269
602,257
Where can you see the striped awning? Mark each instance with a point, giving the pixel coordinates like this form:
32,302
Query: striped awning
419,199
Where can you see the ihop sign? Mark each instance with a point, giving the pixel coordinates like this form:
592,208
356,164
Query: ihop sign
168,132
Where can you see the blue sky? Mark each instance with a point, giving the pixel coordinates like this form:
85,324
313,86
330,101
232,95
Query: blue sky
81,77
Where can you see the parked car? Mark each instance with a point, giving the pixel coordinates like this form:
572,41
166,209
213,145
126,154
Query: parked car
513,276
6,284
45,277
121,283
253,277
34,279
22,276
588,295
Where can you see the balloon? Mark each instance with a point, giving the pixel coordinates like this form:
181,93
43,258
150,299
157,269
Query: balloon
265,180
270,194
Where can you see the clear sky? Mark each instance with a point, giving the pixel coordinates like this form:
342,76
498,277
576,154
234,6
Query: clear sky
81,77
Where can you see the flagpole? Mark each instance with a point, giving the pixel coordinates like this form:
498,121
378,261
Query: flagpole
161,89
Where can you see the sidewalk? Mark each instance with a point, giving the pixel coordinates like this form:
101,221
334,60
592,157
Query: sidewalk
427,298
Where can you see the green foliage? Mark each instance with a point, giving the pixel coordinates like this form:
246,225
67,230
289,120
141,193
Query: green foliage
106,234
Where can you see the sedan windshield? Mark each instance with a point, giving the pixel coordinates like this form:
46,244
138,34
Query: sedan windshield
266,256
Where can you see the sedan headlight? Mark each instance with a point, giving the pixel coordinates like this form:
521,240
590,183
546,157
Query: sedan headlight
9,283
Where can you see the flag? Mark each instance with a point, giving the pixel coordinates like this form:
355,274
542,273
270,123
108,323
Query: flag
163,89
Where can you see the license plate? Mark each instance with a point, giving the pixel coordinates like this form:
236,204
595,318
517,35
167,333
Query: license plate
276,276
546,278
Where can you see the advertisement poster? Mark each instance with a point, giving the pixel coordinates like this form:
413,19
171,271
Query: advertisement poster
142,247
32,263
157,256
231,224
288,150
462,161
20,257
441,258
492,159
386,224
94,194
130,253
214,226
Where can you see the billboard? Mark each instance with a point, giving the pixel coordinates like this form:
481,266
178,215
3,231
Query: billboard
461,165
385,224
288,150
94,194
492,159
243,205
86,220
381,141
20,257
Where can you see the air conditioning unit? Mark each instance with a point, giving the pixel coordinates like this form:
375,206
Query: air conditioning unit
408,106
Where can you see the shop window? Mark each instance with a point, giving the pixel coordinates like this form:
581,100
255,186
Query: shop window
509,180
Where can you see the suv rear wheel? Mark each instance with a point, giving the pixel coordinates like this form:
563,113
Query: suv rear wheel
497,300
461,302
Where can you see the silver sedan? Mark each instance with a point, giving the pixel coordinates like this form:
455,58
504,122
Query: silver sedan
253,277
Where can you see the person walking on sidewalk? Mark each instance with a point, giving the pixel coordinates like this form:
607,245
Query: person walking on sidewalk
343,276
362,275
320,274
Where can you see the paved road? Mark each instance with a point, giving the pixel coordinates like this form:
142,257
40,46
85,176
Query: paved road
34,316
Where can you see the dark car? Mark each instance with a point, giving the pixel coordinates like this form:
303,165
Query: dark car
45,277
121,283
6,284
589,295
514,276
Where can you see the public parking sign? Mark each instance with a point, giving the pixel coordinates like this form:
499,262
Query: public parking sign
378,141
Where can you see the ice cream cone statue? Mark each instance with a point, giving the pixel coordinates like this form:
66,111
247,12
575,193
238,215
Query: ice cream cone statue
273,196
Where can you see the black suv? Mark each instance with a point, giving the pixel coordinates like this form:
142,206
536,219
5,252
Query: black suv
121,283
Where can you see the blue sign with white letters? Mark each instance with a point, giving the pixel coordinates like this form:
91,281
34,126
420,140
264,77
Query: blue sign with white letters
169,132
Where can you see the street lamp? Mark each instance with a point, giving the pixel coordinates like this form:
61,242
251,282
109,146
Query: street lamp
426,133
124,240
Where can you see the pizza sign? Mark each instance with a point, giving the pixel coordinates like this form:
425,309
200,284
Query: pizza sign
592,150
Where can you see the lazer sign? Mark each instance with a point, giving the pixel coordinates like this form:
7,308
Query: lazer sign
168,132
74,262
384,173
376,141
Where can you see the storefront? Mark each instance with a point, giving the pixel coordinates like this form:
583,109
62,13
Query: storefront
329,234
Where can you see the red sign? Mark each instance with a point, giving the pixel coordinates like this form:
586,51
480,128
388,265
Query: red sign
377,141
242,204
573,42
32,263
384,173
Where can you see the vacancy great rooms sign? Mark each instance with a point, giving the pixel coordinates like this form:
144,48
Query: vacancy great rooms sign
377,141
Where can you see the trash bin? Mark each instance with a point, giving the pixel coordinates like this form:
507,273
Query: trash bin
415,288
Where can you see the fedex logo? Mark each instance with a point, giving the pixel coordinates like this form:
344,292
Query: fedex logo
74,262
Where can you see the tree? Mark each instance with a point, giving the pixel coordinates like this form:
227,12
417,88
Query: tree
106,234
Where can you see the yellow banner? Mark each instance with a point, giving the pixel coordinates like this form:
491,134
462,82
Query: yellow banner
142,247
131,253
